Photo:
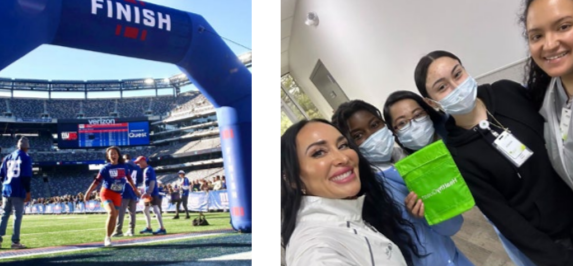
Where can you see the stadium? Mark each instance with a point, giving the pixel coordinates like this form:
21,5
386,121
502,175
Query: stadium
178,123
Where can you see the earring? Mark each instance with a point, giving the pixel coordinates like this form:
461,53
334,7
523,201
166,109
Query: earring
303,191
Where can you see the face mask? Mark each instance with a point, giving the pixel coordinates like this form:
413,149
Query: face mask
378,147
418,134
462,100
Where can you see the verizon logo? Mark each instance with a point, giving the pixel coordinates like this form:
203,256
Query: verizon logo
101,121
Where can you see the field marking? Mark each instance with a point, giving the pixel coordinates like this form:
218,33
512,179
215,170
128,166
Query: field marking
57,232
75,248
238,256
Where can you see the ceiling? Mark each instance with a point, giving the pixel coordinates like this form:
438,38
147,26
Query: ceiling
287,15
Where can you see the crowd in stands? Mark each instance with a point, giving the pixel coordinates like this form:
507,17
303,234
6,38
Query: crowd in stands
59,184
64,199
198,185
39,143
74,182
208,174
69,187
126,107
68,156
41,146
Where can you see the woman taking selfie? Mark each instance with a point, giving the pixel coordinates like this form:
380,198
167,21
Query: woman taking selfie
334,211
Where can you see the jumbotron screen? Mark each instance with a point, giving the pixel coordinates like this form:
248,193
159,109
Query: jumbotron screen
96,133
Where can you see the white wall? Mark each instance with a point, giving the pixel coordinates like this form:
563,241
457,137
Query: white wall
371,47
513,72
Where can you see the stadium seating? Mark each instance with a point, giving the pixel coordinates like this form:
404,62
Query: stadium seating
72,183
36,143
208,174
126,107
177,141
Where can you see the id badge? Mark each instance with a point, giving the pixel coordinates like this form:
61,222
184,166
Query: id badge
512,148
565,120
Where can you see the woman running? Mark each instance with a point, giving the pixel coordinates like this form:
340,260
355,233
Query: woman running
113,175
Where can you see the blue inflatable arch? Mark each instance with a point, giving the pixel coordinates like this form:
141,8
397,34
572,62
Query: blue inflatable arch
142,30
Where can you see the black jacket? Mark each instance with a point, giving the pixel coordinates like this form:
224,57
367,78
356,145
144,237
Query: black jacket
530,205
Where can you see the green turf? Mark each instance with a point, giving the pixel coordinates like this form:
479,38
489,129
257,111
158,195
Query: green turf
165,251
57,230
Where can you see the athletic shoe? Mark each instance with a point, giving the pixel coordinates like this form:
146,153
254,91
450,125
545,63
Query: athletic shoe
117,235
175,217
18,246
129,234
187,217
107,241
160,232
146,230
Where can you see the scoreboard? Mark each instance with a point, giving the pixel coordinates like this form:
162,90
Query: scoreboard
97,133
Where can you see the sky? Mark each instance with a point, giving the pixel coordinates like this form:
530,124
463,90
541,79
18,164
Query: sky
230,18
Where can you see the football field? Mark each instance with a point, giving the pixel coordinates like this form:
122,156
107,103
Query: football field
84,235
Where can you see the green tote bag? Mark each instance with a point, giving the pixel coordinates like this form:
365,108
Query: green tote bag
432,174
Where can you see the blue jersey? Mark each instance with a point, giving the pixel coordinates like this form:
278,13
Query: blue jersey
149,175
184,185
15,169
113,177
128,191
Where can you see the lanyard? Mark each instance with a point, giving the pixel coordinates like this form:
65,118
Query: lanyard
485,124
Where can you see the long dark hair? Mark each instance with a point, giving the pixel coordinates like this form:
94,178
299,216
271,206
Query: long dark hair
536,79
347,109
397,96
421,71
379,210
119,160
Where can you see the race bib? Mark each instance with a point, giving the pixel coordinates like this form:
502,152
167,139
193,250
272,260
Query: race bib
512,148
117,186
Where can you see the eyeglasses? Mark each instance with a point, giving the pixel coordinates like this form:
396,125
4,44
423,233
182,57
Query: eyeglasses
404,124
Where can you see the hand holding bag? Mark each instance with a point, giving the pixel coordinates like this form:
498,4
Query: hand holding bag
433,175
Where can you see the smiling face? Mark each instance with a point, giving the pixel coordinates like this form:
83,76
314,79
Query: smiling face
550,35
112,156
328,166
445,74
362,125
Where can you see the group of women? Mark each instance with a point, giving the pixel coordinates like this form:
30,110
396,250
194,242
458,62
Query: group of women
344,203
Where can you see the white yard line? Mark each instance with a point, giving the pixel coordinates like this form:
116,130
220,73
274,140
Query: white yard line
238,256
70,249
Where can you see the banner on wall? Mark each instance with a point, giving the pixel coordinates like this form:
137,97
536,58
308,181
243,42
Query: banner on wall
197,201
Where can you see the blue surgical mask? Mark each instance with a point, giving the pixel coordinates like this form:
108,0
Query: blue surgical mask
379,146
461,100
417,135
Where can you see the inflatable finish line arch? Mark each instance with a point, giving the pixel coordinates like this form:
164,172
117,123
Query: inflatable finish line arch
141,30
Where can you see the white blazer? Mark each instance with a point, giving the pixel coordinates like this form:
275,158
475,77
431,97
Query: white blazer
560,152
332,232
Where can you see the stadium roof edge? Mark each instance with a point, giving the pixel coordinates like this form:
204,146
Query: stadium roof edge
175,80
